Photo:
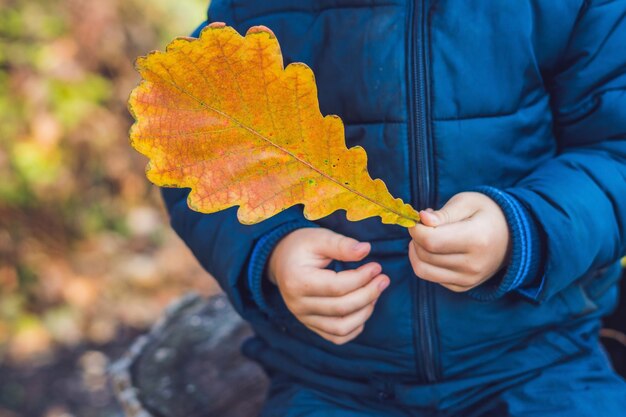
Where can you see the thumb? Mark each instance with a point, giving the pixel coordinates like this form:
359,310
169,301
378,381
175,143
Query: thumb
341,248
458,208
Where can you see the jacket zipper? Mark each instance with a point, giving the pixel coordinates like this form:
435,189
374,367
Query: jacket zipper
422,192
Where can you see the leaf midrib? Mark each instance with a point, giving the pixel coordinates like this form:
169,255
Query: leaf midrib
254,132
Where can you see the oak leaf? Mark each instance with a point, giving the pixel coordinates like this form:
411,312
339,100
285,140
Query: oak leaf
222,116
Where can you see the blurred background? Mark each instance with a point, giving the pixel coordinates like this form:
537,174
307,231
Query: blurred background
87,260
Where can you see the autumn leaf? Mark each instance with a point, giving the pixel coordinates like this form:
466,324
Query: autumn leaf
222,116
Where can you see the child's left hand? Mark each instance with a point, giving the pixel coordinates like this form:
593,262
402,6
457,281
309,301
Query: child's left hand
463,244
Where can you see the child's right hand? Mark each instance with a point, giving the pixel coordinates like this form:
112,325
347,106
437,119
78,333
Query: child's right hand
334,305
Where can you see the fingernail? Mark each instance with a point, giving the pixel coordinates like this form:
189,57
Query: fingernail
431,217
383,285
360,246
375,269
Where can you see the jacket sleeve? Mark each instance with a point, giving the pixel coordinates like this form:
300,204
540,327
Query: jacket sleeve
578,198
224,247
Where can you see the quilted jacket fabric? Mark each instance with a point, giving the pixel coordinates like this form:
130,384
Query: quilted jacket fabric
522,100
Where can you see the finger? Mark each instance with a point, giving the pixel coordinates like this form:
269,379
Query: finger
336,246
338,340
459,207
429,218
340,326
327,283
448,239
347,304
435,274
458,262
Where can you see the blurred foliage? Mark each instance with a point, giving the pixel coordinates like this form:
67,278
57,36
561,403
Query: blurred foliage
85,249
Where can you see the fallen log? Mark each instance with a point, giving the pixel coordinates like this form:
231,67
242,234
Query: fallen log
190,365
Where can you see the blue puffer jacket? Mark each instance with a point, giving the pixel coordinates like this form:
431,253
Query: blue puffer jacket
523,100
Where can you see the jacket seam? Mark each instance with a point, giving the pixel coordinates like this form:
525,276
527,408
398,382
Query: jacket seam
567,116
314,11
431,99
375,122
534,103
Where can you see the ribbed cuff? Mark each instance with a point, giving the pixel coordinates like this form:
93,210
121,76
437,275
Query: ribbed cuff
525,262
259,258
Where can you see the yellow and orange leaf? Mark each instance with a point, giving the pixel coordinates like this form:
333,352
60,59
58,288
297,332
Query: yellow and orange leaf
222,116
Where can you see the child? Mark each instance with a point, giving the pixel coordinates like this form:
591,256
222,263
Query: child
510,118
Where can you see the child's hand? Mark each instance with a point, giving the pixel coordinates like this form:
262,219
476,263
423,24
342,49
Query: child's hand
462,245
333,305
